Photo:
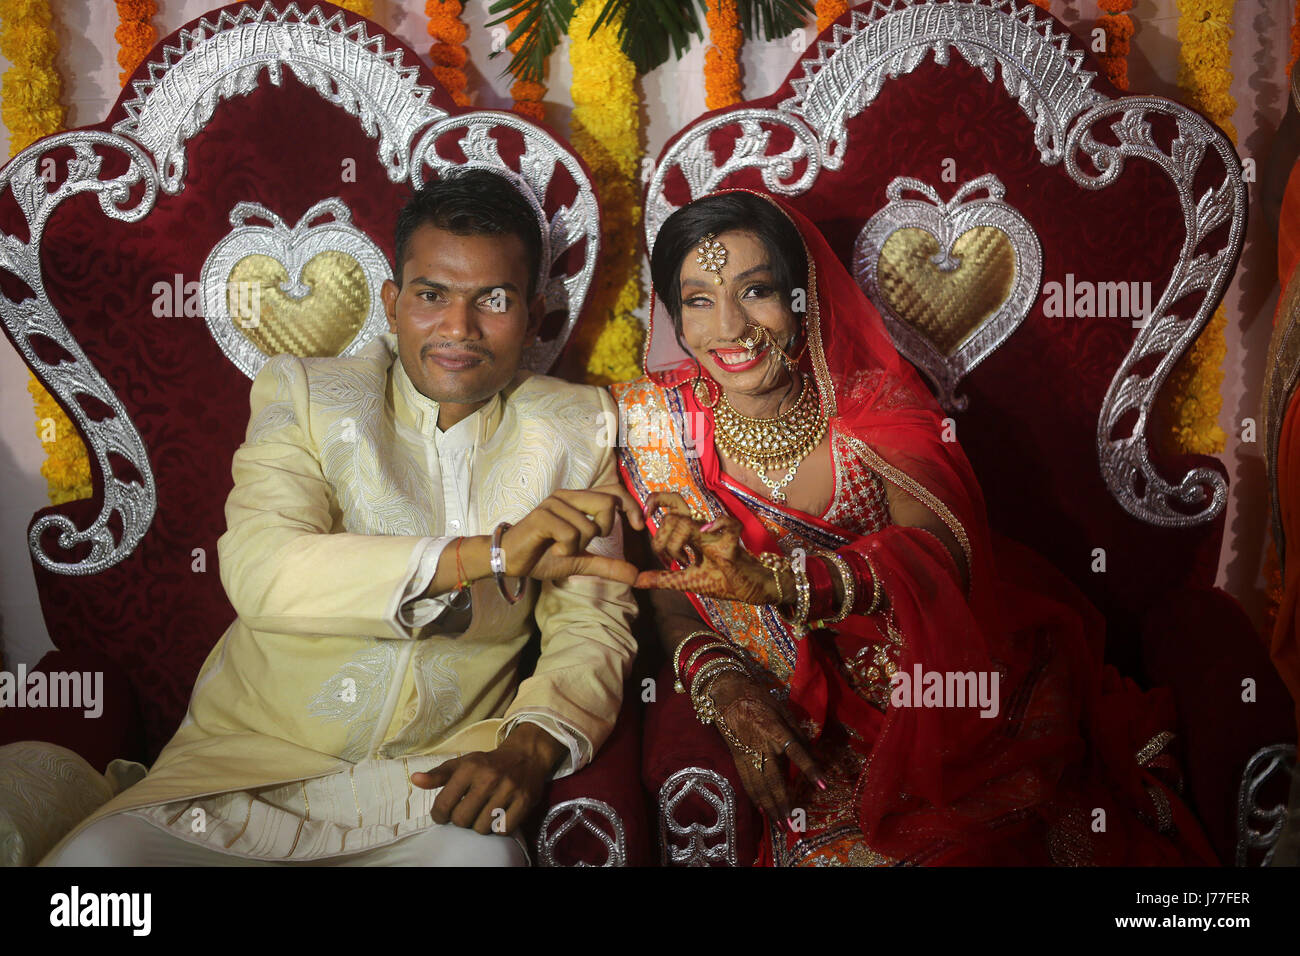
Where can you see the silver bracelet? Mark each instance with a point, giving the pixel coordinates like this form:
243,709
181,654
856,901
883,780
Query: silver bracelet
497,561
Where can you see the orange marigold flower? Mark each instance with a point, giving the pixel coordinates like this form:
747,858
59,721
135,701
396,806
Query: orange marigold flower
444,54
828,11
527,90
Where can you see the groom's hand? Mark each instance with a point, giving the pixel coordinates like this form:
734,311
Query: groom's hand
551,541
493,791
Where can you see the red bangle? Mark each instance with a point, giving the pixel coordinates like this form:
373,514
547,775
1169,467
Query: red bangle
688,679
823,603
866,579
688,645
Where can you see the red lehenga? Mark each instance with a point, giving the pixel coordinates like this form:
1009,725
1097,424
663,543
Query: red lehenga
1063,774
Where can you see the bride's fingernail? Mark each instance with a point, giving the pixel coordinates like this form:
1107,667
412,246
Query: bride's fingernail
821,784
709,526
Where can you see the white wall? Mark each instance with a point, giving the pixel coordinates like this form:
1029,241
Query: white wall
673,95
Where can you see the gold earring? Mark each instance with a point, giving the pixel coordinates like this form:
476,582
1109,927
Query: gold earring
711,256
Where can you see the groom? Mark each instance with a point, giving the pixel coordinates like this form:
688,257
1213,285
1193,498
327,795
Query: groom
399,523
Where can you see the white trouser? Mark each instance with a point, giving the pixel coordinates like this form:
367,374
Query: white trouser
127,840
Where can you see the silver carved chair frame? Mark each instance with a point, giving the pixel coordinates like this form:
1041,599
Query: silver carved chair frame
216,62
1041,68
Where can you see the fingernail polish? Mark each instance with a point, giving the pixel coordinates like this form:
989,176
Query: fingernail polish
709,526
821,784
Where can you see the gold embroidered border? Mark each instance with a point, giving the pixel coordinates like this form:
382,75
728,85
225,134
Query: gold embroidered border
1153,747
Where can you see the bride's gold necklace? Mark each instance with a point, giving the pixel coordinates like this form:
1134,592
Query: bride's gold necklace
762,444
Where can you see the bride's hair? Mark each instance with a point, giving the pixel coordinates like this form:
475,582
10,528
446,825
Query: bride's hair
681,234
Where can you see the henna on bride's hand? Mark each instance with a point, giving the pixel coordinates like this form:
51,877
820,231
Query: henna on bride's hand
758,722
713,559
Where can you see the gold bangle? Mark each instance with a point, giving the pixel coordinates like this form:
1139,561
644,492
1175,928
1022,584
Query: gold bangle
677,652
708,669
776,563
798,621
695,655
877,589
847,580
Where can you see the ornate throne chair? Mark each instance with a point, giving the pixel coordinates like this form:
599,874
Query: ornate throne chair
978,176
260,152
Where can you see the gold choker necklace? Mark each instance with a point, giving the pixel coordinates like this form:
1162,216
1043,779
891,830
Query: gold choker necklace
766,443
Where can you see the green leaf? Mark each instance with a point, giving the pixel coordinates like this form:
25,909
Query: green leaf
543,24
773,19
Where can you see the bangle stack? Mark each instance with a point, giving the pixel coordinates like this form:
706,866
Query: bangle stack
862,570
814,598
798,621
693,652
700,659
848,582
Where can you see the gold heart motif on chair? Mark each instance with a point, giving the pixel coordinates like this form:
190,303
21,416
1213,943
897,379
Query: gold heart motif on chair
946,306
952,280
312,290
321,323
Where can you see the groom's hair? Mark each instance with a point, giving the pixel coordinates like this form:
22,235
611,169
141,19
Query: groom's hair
680,235
471,202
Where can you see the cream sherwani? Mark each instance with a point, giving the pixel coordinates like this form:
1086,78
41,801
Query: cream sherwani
336,681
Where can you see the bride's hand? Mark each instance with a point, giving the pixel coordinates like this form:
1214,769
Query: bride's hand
714,560
753,718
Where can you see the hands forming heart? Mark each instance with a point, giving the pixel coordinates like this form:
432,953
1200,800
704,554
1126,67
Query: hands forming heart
712,558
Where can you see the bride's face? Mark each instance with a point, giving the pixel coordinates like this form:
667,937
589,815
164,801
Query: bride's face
715,317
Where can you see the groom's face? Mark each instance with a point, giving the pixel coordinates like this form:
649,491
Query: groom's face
462,316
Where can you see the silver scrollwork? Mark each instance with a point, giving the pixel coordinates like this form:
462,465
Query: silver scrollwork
948,222
596,817
69,379
699,165
225,59
536,167
293,249
1039,69
1277,762
697,844
1125,456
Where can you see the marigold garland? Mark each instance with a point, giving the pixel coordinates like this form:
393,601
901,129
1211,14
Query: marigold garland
1295,39
363,8
1118,28
135,34
828,11
606,133
527,94
448,51
1192,400
722,59
29,107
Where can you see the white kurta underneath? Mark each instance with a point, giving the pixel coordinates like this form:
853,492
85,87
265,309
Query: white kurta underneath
356,816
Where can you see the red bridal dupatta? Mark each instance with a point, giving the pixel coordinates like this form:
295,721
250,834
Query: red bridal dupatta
936,784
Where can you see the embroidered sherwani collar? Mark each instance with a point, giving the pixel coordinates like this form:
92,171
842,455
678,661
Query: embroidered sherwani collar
410,405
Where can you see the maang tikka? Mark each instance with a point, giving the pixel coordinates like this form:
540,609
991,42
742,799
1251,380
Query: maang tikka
712,256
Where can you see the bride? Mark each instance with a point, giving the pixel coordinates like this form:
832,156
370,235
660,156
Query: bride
830,600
